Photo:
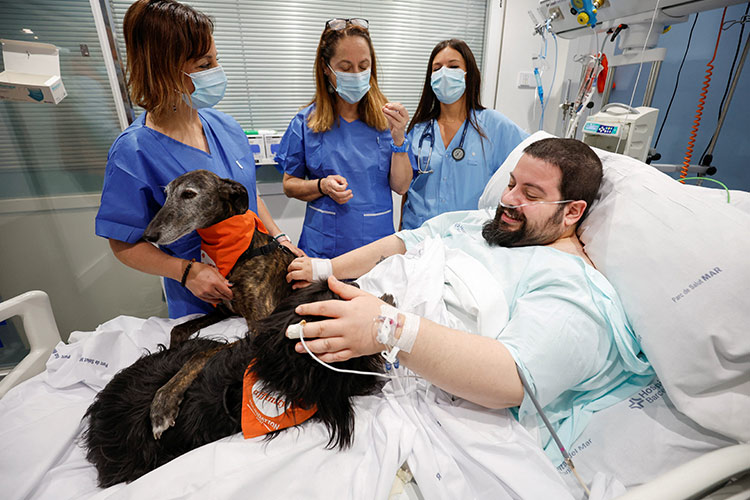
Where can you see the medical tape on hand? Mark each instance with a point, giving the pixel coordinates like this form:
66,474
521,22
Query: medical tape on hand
294,331
409,332
321,269
389,325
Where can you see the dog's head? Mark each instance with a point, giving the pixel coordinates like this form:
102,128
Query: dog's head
195,200
302,379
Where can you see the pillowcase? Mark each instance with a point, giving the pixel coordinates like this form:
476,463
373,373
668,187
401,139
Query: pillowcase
678,257
499,180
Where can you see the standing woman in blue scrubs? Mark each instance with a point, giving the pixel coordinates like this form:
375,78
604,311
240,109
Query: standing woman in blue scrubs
456,142
346,151
174,74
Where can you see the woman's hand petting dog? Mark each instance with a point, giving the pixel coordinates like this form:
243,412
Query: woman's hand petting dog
207,283
350,332
294,249
300,272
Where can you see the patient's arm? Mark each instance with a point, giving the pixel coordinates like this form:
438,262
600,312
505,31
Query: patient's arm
478,369
351,264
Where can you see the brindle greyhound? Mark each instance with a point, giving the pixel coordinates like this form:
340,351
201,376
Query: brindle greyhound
197,200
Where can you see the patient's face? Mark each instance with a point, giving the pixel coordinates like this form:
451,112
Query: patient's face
532,180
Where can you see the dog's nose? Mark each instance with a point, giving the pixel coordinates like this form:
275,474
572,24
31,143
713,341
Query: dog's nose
151,237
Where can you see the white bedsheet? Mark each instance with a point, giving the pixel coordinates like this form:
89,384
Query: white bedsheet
455,449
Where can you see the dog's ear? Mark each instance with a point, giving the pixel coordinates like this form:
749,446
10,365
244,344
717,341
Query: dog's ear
235,194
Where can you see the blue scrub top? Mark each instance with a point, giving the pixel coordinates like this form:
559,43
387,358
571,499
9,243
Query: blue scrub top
142,162
359,153
457,185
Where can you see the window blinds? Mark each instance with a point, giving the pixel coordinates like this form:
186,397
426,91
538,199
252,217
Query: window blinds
48,149
267,48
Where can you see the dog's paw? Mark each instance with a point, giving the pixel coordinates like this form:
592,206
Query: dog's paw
180,333
164,410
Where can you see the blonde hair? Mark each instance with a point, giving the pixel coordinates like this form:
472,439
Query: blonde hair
160,37
324,115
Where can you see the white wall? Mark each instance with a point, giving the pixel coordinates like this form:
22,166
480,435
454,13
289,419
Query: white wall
49,244
518,43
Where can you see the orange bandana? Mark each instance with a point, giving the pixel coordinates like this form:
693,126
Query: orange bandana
263,412
224,242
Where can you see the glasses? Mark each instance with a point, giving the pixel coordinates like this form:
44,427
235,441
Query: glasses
338,24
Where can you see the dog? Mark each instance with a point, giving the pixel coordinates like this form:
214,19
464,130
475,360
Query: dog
200,199
118,439
197,200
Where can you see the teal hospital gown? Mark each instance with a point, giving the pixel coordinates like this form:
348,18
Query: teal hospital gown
567,330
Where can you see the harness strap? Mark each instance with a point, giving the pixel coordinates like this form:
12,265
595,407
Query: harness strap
264,250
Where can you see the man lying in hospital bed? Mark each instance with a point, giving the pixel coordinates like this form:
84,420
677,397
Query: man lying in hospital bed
518,277
40,419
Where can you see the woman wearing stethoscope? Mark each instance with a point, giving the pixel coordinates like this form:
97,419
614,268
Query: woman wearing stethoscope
346,151
456,142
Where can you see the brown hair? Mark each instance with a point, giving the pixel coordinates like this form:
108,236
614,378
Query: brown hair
580,167
429,105
160,36
324,115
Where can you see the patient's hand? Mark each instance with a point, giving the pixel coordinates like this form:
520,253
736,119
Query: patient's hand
300,272
351,330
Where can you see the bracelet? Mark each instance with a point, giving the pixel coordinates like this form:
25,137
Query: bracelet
186,272
320,179
281,235
403,148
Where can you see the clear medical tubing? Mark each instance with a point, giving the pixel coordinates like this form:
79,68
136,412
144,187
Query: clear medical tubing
547,424
534,203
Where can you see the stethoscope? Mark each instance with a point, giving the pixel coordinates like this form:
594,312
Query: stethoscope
458,153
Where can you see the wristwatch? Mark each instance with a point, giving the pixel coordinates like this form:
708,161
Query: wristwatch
403,148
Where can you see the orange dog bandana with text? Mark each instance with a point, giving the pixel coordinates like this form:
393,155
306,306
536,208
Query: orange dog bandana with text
264,412
224,242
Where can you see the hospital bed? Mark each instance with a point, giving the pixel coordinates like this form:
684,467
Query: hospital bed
660,443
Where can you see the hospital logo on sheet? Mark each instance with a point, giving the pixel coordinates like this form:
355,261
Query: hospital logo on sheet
647,395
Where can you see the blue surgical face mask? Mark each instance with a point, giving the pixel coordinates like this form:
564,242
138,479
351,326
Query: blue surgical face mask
210,85
352,86
448,84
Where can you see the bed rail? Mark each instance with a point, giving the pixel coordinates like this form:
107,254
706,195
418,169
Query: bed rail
41,331
696,477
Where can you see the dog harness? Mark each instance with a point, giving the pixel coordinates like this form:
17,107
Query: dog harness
264,411
223,243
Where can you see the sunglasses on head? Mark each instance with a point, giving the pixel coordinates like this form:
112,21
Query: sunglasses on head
337,24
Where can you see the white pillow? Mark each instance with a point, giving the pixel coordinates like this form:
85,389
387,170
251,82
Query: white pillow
499,180
678,258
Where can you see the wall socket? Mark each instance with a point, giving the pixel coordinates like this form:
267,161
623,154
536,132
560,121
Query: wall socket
526,80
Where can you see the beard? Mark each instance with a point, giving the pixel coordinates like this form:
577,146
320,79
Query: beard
498,233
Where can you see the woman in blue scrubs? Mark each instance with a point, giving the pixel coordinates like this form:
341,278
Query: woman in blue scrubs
346,151
456,143
175,76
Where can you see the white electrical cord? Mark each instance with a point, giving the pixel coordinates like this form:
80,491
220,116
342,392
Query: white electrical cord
295,331
640,66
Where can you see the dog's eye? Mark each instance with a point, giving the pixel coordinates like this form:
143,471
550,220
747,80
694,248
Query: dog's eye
187,194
